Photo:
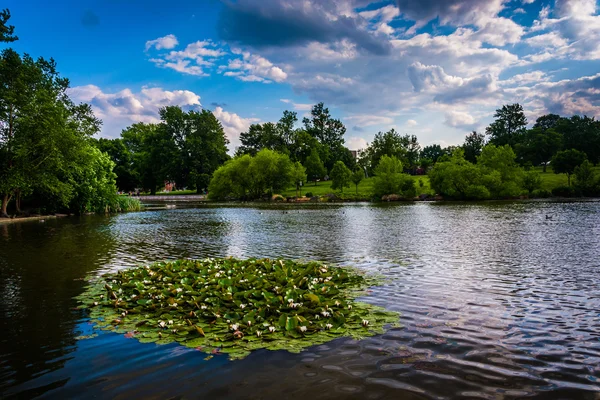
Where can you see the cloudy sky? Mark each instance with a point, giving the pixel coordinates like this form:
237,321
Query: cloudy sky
434,68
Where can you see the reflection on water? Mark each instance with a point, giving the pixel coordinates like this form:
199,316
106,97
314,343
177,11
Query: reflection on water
497,301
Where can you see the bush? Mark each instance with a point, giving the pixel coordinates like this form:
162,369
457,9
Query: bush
308,194
477,192
541,193
563,191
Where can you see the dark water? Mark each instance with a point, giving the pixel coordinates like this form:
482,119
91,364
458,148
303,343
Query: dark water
497,301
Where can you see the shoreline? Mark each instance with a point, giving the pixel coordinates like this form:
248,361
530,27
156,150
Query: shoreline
6,221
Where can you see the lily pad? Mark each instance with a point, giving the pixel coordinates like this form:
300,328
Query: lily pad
236,306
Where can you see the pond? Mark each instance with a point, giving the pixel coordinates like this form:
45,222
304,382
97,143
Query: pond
497,300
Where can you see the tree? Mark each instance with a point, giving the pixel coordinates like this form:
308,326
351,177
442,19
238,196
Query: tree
43,135
357,177
127,178
327,130
340,176
154,153
432,152
501,174
539,145
532,181
458,178
389,179
390,144
581,133
298,176
6,31
585,179
473,145
548,121
314,167
247,177
565,162
509,125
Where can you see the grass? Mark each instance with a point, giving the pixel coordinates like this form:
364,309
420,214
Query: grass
365,188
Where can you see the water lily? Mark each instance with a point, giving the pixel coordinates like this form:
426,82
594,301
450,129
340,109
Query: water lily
161,324
203,307
365,322
317,316
328,326
249,323
242,306
95,303
170,322
337,303
349,306
271,329
179,290
290,300
258,333
325,313
234,327
303,328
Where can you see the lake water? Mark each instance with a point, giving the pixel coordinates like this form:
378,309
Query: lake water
498,300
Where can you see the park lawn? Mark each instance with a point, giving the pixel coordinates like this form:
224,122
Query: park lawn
550,180
365,188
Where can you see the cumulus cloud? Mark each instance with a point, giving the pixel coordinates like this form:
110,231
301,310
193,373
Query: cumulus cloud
120,109
253,68
233,125
460,119
362,120
165,42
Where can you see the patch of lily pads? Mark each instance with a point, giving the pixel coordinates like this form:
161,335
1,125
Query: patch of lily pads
235,306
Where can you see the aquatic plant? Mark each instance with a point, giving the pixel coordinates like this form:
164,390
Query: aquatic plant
236,306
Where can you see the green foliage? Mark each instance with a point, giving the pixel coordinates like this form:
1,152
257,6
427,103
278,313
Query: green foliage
247,177
341,176
473,146
582,134
327,130
539,145
298,175
565,162
585,179
532,181
405,148
477,192
389,179
501,160
6,31
235,306
564,191
453,177
432,152
357,177
127,176
509,126
308,194
315,169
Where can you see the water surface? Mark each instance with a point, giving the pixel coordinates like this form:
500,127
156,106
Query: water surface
498,300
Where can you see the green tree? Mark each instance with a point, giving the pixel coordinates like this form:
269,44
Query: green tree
565,162
6,31
432,152
581,133
539,145
473,145
390,144
503,177
548,121
532,181
327,130
357,177
314,167
458,178
247,177
585,179
340,176
509,126
298,176
389,179
127,178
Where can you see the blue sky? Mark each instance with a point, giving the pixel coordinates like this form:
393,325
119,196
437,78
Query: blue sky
434,68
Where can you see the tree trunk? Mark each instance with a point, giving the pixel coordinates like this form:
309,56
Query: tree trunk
5,200
18,201
545,164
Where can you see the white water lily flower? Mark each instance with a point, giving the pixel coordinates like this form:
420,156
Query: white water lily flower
234,327
337,303
365,322
174,305
123,314
161,324
349,306
95,303
203,307
302,328
290,300
242,306
179,290
328,326
325,313
249,323
317,316
258,333
170,322
271,329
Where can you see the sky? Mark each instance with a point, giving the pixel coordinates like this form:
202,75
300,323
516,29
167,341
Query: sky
437,69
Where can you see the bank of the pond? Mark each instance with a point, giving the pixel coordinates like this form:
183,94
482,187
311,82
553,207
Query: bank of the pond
40,218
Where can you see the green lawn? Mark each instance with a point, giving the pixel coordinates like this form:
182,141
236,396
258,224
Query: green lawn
365,188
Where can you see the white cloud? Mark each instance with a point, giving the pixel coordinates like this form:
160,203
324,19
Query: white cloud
362,120
120,109
411,123
460,119
253,68
233,125
356,143
165,42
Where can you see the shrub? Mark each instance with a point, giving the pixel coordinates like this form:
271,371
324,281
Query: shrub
541,193
308,194
477,192
563,191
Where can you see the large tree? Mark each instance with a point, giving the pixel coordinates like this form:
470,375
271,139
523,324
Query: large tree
327,130
314,167
509,125
43,135
432,152
539,145
473,145
581,133
127,178
565,162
